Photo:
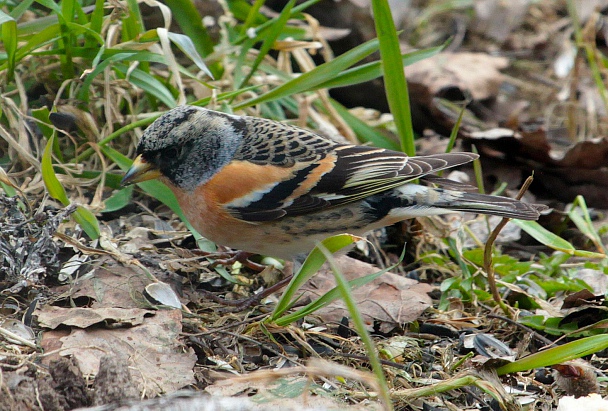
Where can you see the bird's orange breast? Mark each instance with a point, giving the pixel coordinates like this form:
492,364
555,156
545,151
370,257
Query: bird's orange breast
205,209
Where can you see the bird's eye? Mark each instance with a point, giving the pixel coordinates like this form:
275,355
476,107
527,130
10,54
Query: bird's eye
171,153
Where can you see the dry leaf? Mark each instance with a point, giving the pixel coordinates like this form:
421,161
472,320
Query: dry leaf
157,360
53,317
390,300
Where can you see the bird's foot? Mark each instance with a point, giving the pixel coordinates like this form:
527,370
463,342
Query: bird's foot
245,303
228,258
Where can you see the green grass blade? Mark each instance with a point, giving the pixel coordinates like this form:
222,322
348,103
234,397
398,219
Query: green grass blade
96,38
579,214
252,16
394,76
67,40
51,182
132,24
21,8
546,237
82,216
149,84
42,116
328,298
185,44
118,200
364,132
189,20
87,221
373,70
50,4
313,262
269,36
359,323
309,80
557,355
40,39
297,9
241,61
96,19
113,60
9,39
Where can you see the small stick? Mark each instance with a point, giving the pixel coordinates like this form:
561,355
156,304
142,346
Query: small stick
487,252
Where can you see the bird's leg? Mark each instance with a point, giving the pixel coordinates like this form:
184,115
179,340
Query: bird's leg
227,258
244,303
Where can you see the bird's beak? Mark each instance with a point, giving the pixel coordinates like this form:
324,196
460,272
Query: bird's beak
140,171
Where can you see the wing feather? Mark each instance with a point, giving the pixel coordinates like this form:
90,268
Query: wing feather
325,173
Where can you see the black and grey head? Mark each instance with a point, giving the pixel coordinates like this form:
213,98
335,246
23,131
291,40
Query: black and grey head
190,144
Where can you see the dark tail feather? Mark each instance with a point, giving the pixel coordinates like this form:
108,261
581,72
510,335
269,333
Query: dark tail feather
495,205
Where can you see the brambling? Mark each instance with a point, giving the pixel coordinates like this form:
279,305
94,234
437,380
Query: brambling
273,189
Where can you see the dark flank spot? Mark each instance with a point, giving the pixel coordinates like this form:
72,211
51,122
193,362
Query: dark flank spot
327,229
286,227
334,216
347,213
381,204
308,219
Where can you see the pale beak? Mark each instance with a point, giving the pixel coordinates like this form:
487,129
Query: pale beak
140,171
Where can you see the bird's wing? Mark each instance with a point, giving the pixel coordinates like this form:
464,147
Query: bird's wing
311,173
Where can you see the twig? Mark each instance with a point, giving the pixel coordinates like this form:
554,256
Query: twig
534,334
487,253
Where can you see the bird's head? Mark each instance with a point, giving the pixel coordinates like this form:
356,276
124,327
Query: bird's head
186,146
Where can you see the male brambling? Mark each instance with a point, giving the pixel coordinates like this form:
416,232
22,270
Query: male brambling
270,188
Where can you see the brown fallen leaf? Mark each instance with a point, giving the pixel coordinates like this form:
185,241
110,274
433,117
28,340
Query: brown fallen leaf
113,285
475,74
53,317
159,363
116,325
390,300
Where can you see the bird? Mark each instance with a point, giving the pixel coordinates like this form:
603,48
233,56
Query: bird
270,188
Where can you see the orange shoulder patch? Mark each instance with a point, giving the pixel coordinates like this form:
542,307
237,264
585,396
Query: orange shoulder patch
241,178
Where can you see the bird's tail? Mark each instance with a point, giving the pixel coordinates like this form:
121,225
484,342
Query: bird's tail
439,201
496,205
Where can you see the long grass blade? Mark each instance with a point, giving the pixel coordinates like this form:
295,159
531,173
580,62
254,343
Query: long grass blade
311,265
269,36
373,70
394,76
9,39
318,75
